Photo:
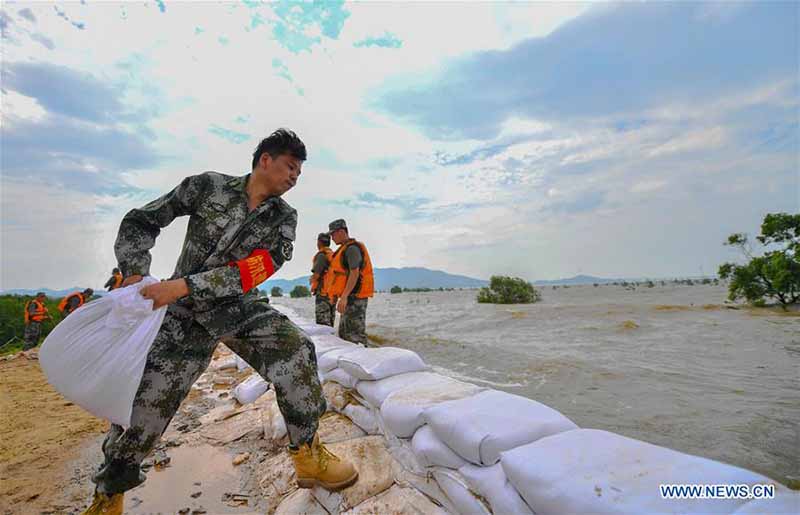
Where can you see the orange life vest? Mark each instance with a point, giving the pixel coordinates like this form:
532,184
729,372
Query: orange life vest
63,304
336,277
315,283
117,281
39,315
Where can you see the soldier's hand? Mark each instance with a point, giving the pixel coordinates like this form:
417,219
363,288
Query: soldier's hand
131,280
165,292
341,306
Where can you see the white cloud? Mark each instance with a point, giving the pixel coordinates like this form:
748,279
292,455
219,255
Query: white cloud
490,214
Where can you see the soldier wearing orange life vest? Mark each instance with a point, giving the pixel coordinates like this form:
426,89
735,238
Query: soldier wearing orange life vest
35,314
350,283
74,300
324,309
115,281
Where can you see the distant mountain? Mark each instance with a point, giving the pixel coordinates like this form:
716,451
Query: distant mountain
50,293
579,279
385,278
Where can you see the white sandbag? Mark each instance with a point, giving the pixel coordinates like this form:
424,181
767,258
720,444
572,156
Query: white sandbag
338,375
479,428
588,470
286,310
433,452
227,362
492,484
96,356
458,491
330,359
375,392
364,417
377,363
324,343
241,365
402,410
315,329
250,389
425,483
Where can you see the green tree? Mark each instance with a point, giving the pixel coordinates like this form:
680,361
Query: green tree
396,289
276,292
300,291
774,275
508,290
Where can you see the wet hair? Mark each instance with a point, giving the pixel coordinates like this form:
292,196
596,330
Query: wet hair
115,271
282,141
88,291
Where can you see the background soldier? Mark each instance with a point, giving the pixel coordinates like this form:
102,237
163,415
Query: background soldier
324,309
115,281
75,300
35,315
240,232
350,283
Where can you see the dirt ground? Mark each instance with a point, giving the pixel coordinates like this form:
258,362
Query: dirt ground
41,435
49,449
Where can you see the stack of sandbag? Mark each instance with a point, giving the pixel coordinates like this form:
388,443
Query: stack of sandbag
368,366
328,360
589,470
461,441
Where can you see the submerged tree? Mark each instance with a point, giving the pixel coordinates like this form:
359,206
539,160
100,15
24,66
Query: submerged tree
776,274
300,291
396,289
276,292
508,290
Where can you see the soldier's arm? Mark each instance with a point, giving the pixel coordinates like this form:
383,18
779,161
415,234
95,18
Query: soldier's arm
140,227
242,276
31,308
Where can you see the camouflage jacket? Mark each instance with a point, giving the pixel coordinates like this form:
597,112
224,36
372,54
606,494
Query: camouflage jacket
221,234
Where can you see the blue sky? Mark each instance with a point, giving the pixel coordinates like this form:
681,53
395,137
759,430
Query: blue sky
534,139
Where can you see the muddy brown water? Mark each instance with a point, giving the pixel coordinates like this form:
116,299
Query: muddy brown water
668,365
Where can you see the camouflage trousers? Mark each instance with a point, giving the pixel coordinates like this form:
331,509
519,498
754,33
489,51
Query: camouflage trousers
353,324
325,311
33,331
269,342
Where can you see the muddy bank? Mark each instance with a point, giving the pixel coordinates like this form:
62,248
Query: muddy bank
46,442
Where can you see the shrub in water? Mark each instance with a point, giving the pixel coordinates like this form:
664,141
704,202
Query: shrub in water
300,291
508,290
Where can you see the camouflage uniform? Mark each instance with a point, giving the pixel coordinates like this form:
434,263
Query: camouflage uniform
353,323
33,331
220,231
325,311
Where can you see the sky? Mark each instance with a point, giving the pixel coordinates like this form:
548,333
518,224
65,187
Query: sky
537,139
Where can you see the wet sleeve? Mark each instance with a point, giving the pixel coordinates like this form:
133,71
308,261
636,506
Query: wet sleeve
353,257
242,276
140,227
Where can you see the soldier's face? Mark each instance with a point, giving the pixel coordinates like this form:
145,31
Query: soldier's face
338,236
282,172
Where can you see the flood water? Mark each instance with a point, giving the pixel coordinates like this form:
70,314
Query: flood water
670,365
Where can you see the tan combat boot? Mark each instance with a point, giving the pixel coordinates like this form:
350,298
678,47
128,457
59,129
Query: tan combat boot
316,465
103,504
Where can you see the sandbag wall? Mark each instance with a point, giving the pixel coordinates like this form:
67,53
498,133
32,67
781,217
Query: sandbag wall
477,450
